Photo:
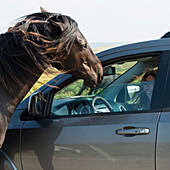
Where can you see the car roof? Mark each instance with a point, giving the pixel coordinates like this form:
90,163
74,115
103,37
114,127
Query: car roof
135,48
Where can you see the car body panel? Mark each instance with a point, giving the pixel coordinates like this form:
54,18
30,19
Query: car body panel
163,142
90,142
136,48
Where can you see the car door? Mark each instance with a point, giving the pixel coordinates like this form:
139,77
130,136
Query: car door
75,136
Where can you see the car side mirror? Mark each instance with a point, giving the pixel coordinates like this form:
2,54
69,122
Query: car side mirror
36,104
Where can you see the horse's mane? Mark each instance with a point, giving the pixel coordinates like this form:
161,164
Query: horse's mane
45,37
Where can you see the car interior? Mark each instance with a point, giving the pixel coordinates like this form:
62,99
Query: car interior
119,91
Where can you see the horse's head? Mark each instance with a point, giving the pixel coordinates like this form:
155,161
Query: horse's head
56,40
82,62
75,55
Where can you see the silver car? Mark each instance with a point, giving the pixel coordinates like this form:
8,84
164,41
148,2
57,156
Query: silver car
123,124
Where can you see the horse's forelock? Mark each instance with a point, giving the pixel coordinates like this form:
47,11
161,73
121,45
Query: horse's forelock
31,25
58,46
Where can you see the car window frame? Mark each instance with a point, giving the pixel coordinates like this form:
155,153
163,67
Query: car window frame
154,106
166,99
160,83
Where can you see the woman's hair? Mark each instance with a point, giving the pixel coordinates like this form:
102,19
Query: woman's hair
149,73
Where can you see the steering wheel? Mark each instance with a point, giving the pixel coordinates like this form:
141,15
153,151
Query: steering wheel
108,106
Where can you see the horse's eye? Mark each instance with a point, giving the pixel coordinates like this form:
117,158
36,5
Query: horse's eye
84,45
85,63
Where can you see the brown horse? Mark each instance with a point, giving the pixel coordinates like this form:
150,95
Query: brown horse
33,44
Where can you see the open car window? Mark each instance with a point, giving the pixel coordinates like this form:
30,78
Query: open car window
122,89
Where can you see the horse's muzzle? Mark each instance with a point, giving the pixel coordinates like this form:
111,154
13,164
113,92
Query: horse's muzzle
100,78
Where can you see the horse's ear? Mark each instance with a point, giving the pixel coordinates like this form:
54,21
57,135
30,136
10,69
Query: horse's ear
59,25
43,10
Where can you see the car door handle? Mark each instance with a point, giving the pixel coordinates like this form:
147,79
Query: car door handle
130,130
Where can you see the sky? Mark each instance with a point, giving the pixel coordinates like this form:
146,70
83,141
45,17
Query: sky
99,20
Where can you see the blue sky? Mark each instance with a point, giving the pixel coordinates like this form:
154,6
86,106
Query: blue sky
100,20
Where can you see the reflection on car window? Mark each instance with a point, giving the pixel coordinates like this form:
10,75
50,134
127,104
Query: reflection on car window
72,90
122,89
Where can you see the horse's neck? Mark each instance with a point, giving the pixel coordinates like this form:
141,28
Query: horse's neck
11,47
10,44
8,104
10,99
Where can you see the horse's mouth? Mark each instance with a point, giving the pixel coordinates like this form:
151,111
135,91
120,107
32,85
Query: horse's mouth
92,83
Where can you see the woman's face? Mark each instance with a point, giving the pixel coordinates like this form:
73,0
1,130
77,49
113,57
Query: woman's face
150,78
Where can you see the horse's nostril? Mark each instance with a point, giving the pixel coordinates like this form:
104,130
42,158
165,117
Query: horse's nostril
93,82
100,78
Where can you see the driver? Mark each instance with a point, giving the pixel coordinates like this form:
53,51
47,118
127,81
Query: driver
147,82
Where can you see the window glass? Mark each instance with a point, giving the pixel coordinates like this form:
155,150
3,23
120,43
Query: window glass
126,86
72,90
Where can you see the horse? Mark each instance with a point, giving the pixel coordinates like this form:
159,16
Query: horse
34,43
